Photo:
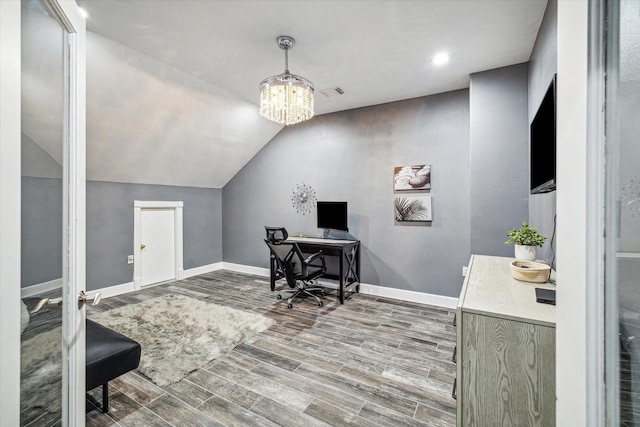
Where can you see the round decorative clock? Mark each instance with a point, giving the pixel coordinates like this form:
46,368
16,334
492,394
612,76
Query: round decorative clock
303,198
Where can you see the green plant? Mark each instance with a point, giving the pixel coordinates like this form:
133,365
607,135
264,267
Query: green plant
525,236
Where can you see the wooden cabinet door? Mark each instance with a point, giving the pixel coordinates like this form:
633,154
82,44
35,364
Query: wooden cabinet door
508,372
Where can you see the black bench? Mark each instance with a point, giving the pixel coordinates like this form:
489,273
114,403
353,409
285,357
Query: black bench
108,355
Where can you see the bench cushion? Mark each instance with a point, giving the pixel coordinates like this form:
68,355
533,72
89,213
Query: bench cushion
109,354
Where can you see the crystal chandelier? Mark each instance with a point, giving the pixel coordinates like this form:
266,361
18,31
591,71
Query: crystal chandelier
286,98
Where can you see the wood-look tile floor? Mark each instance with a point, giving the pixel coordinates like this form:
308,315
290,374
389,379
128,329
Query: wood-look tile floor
369,362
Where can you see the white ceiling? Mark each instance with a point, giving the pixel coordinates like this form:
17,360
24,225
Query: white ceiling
176,82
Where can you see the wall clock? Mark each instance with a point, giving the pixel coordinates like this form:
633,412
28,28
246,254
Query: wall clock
303,198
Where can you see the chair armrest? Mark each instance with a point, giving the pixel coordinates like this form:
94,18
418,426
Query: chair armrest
309,262
313,257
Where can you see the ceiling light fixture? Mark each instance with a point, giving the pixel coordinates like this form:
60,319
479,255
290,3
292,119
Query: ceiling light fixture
83,12
440,59
286,98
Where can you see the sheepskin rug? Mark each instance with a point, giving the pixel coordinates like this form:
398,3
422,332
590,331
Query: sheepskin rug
178,334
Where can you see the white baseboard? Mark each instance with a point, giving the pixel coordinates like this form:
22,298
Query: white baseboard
112,291
109,291
41,288
412,296
247,269
381,291
202,269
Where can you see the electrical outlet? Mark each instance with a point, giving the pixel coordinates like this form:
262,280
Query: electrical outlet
464,271
130,259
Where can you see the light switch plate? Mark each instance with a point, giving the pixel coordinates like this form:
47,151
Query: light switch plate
130,259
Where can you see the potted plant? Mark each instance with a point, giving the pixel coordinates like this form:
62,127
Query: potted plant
526,241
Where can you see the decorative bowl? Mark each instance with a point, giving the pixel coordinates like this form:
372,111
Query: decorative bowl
530,271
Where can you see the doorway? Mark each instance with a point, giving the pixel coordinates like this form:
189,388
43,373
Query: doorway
157,235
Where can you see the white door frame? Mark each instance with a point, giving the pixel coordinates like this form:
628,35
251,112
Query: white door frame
10,105
138,206
73,402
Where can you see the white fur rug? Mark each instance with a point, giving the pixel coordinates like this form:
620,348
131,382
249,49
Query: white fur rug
178,334
40,373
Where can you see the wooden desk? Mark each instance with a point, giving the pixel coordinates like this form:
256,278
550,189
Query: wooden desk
348,253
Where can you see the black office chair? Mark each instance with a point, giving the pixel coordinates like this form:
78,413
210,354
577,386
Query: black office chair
292,265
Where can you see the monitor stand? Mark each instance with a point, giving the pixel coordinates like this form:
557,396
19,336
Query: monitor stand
329,233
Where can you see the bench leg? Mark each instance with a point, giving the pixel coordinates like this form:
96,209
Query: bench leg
105,398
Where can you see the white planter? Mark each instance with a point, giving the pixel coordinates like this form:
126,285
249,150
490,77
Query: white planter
525,253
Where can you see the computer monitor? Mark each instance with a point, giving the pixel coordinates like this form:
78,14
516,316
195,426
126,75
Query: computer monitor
332,215
543,144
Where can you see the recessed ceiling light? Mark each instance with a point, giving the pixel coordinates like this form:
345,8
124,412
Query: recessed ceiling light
440,59
83,13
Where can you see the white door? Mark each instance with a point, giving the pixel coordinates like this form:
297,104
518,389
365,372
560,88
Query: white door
157,242
42,84
157,245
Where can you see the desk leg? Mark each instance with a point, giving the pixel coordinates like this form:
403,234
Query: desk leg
358,268
342,276
352,275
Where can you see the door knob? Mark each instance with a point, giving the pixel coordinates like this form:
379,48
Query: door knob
47,302
94,299
57,302
142,246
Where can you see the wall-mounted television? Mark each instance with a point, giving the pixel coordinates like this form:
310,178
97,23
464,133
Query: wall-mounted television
542,160
332,215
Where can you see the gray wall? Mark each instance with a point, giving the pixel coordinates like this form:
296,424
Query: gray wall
542,67
476,142
350,156
499,157
41,230
37,162
110,227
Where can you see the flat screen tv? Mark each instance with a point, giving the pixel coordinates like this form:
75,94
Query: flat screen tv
332,215
543,144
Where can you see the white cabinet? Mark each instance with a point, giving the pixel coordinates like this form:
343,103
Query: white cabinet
505,349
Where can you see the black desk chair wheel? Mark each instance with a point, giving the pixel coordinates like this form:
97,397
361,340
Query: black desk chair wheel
300,272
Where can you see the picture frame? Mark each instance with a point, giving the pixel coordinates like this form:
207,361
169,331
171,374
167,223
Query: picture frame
413,209
412,178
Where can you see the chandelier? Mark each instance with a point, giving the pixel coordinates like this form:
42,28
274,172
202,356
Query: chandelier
286,98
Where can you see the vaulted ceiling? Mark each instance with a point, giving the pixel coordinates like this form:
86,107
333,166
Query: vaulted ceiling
172,86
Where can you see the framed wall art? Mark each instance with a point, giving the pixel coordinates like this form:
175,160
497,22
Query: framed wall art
413,209
412,178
